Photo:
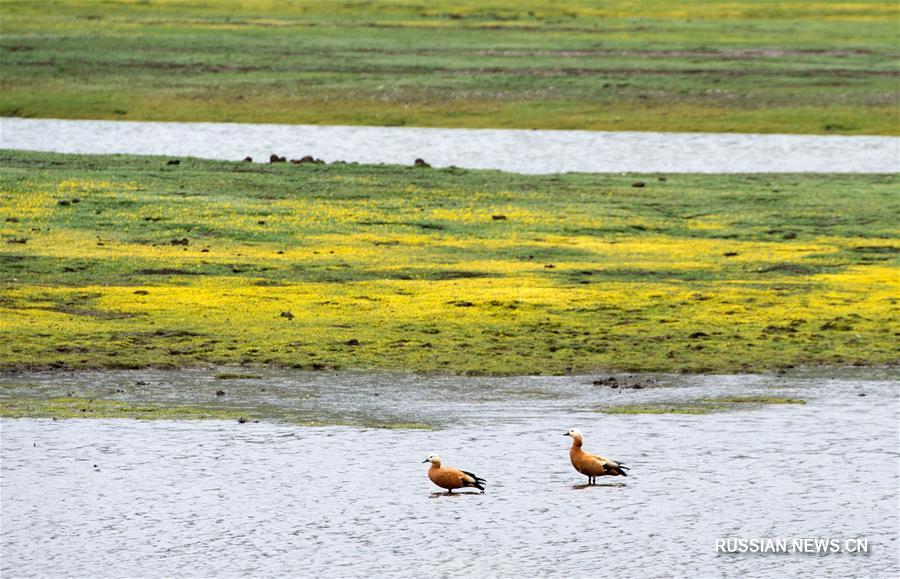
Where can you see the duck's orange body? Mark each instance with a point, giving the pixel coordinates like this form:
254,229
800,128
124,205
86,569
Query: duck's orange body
452,478
592,465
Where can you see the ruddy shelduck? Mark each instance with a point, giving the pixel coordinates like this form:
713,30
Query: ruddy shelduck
592,465
451,478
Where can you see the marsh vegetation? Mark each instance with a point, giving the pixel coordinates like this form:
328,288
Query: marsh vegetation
746,66
118,262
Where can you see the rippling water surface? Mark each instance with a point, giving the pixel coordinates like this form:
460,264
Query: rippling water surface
129,498
518,151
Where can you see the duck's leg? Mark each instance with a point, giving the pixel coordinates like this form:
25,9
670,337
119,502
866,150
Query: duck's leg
449,491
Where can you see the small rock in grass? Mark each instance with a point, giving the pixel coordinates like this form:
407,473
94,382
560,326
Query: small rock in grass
306,159
638,184
287,315
421,163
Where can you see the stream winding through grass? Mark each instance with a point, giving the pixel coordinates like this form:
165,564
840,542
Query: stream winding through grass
518,151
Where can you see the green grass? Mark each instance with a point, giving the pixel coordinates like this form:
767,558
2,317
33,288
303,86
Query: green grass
65,407
236,376
704,406
745,65
70,407
124,262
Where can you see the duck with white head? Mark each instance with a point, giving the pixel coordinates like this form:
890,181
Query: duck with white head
592,465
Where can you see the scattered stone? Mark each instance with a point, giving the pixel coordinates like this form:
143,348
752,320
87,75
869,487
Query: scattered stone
63,203
614,383
260,222
141,292
204,250
461,304
730,253
76,200
276,159
12,220
498,217
421,163
140,383
220,393
287,315
173,162
789,235
550,266
611,382
19,240
697,335
280,252
242,420
638,184
663,179
307,159
248,159
352,342
182,241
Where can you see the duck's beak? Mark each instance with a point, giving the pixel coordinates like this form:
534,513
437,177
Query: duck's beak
426,460
567,434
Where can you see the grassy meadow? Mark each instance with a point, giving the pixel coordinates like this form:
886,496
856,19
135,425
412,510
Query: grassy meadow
758,66
123,262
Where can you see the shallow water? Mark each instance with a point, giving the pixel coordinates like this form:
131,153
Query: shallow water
222,498
519,151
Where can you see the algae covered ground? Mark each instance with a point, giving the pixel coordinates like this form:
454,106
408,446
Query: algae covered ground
119,262
742,65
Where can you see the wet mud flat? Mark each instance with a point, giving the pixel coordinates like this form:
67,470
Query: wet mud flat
109,497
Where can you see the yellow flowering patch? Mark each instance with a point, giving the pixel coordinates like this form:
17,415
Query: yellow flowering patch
365,267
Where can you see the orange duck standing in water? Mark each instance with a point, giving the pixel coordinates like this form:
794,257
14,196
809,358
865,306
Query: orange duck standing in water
451,478
592,465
